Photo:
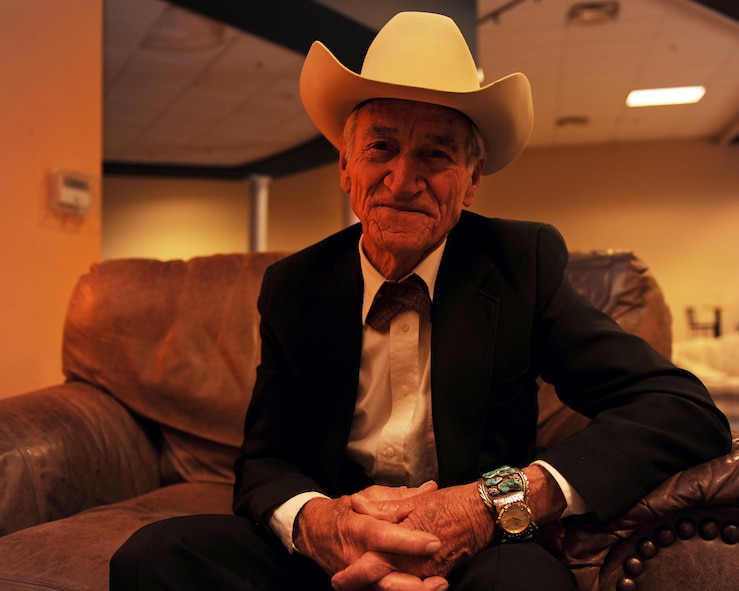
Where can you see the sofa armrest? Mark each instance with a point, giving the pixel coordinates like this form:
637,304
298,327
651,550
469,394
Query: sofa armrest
687,529
67,448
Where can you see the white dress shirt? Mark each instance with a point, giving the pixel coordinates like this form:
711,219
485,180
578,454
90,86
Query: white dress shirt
392,435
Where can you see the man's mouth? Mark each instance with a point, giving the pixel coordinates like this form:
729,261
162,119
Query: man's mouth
403,210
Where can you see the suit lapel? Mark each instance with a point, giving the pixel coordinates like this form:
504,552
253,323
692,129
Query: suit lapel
464,324
331,337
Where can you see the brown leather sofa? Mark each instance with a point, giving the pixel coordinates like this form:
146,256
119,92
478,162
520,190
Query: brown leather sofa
160,359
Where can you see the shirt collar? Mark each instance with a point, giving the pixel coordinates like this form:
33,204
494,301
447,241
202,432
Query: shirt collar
427,270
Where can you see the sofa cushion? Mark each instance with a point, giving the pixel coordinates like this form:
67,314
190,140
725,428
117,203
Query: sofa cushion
178,343
73,554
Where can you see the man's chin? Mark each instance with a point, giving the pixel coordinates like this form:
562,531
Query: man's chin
404,243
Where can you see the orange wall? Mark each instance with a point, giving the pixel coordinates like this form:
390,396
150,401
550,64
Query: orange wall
304,208
174,218
50,117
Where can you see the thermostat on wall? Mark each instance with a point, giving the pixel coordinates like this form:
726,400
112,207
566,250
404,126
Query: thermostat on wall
71,192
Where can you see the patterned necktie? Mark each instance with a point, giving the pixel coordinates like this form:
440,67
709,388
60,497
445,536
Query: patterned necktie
393,297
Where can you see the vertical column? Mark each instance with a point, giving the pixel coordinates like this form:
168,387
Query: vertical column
259,212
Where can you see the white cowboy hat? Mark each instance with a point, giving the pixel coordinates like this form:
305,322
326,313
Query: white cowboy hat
420,56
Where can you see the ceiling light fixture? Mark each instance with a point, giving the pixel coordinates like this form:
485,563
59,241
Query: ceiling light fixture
593,13
654,97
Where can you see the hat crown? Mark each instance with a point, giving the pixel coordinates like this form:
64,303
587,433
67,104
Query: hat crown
423,50
420,57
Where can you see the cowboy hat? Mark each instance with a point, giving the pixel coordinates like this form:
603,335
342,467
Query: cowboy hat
420,56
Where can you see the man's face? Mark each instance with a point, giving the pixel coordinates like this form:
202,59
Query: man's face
408,177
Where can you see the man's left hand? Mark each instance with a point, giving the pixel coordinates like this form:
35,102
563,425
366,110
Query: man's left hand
456,515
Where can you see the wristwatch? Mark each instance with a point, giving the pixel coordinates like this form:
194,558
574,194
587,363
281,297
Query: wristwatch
505,492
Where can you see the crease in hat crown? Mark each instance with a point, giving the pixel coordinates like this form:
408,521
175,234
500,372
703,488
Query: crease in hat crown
423,50
420,56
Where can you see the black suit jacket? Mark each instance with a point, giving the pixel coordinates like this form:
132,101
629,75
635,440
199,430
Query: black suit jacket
503,314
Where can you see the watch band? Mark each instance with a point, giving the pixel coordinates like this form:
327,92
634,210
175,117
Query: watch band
505,492
504,485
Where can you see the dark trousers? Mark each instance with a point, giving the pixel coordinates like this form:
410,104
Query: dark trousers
225,553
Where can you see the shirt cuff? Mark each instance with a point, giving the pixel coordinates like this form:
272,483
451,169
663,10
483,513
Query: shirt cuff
283,518
575,503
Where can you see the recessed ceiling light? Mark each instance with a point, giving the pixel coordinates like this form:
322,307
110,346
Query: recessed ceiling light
652,97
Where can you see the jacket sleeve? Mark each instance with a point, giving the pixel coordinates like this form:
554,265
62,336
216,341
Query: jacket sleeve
267,472
650,419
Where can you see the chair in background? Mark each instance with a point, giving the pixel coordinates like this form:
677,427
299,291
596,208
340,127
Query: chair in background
697,329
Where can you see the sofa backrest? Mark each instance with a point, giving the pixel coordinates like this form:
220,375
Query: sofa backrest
620,284
177,342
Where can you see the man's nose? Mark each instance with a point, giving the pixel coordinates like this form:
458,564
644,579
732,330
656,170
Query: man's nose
404,178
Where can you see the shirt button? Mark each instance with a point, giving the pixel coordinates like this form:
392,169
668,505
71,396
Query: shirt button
404,390
389,452
405,327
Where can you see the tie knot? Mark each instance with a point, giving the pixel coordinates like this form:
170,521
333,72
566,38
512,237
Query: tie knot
393,297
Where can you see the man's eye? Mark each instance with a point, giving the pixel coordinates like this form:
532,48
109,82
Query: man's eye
380,151
439,154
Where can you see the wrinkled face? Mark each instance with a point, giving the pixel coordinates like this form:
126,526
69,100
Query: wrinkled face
408,175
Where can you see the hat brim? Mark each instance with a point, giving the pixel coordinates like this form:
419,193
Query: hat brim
502,111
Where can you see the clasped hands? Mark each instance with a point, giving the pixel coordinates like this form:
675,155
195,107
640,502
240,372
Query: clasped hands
395,539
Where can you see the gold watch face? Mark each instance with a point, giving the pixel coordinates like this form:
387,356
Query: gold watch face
514,518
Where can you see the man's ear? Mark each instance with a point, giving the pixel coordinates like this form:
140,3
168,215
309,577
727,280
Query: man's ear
344,177
475,179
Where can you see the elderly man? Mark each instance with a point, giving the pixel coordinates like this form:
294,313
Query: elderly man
390,441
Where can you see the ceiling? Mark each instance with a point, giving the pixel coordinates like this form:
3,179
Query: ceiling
196,96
